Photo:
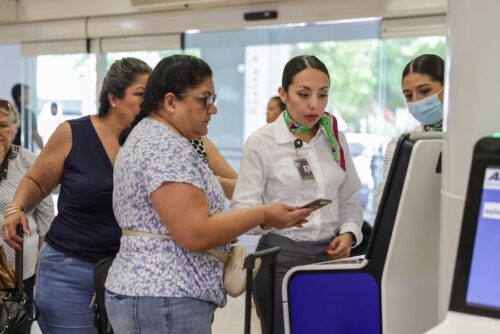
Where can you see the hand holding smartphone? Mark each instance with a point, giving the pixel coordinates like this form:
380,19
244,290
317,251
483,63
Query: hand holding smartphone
316,204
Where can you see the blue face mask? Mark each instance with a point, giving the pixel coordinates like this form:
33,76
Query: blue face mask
428,111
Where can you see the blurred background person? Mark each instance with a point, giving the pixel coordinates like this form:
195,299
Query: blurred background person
274,108
21,97
15,162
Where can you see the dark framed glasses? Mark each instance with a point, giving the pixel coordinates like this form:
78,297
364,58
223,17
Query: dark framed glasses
208,100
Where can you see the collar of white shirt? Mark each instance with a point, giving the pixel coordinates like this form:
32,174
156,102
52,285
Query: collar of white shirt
281,133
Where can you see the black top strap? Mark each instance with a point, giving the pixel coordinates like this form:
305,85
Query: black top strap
5,165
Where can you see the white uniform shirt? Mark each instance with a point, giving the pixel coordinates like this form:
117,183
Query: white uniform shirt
268,175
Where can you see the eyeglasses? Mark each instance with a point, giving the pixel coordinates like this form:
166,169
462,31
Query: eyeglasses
208,100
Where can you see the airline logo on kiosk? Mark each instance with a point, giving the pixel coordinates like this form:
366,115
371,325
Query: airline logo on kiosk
492,178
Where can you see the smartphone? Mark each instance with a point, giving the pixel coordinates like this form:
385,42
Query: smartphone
318,203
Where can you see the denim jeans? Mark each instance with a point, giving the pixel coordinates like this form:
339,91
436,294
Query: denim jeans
157,315
63,293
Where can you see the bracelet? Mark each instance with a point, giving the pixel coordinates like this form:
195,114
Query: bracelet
13,209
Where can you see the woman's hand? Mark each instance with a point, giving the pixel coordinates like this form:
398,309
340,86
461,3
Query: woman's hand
9,229
281,216
340,247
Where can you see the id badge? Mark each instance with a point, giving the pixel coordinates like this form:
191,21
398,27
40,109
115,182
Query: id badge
305,170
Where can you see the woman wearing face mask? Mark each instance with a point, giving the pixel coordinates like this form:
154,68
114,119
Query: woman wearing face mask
423,88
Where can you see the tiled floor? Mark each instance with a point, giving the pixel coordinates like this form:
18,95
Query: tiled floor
230,319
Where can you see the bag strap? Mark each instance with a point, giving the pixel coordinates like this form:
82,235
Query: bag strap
19,263
213,251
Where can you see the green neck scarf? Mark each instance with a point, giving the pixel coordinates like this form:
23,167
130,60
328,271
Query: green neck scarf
329,124
434,128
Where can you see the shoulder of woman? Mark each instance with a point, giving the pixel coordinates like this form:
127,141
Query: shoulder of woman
61,140
263,134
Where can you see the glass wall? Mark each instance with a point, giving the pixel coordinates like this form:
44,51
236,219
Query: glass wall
150,57
61,87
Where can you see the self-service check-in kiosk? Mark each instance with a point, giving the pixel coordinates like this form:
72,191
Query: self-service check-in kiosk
475,296
394,288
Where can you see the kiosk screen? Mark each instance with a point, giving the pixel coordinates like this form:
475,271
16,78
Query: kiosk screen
483,289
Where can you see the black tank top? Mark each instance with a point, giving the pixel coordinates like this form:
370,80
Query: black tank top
85,226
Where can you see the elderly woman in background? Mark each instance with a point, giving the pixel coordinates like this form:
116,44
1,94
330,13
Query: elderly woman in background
15,162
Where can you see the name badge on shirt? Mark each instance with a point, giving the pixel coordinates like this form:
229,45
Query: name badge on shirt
305,170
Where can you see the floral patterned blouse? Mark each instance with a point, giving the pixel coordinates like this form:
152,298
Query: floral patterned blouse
150,266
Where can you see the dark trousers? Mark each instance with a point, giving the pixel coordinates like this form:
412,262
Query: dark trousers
293,253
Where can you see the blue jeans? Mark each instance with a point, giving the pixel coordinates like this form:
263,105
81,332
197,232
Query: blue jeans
63,293
156,315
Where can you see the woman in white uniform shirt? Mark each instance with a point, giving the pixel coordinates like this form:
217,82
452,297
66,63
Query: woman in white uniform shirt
307,136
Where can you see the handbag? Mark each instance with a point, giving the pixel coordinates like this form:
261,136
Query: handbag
235,278
7,276
14,315
235,275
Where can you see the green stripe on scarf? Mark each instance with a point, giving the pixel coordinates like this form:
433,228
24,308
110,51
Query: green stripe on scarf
434,128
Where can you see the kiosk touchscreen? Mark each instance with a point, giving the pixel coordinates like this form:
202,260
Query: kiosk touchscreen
483,286
475,296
